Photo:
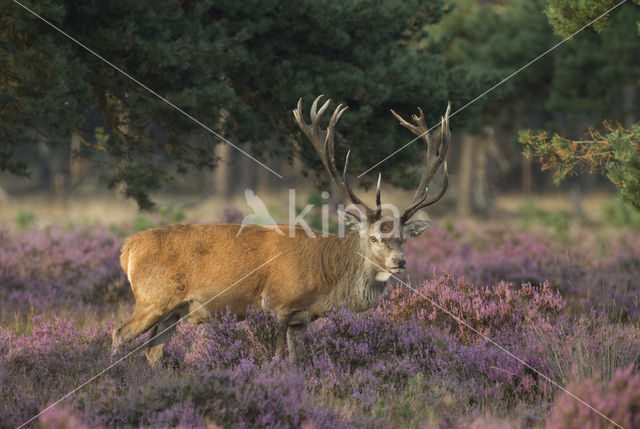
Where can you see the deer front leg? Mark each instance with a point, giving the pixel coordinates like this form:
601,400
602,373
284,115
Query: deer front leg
295,333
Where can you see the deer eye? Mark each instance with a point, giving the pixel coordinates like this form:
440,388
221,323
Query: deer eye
373,239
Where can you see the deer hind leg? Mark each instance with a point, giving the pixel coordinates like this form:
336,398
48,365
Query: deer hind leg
142,319
161,333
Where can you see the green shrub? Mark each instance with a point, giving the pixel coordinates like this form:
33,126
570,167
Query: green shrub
24,219
142,222
617,213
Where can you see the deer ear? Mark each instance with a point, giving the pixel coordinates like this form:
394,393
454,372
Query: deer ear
351,220
415,228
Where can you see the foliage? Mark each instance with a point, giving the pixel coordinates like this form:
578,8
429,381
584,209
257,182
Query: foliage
55,267
613,151
529,214
24,219
617,399
493,41
61,418
402,364
568,16
619,214
231,214
610,150
590,269
237,67
56,88
587,85
487,310
142,221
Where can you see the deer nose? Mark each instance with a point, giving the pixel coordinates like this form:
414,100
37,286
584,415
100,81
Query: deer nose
400,262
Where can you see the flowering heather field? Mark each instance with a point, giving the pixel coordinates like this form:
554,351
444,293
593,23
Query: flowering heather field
568,306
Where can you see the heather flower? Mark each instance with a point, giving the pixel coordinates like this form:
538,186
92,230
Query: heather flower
405,362
181,415
225,341
62,418
53,267
231,214
618,399
485,309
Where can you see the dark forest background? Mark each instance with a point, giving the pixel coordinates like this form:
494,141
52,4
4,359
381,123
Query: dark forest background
70,122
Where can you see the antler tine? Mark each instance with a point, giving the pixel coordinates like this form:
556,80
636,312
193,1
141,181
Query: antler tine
413,209
323,142
329,141
317,115
409,126
444,129
297,113
371,214
419,200
378,204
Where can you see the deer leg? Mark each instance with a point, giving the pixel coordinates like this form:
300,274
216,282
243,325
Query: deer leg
142,319
295,333
162,332
282,322
160,335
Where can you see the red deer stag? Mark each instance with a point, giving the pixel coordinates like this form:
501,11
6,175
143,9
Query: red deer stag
185,271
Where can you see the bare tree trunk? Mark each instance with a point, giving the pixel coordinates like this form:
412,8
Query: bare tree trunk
243,170
527,179
481,195
296,167
264,177
629,105
221,173
576,198
465,176
5,198
75,168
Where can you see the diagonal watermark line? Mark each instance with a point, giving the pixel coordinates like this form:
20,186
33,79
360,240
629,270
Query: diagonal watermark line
145,343
144,86
492,88
462,322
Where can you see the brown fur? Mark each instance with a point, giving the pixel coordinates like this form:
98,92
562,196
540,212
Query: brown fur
176,269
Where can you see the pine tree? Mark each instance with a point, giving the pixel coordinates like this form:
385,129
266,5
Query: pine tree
239,67
610,56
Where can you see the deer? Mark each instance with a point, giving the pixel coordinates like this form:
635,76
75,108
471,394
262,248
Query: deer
194,271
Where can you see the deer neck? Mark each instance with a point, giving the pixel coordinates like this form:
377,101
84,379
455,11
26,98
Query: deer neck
354,281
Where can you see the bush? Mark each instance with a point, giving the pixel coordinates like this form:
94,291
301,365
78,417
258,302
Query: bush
225,342
612,151
24,219
619,214
404,363
488,309
618,399
53,267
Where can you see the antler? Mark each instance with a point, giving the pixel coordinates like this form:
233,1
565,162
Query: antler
420,129
323,143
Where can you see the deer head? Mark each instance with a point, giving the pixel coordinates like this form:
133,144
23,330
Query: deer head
381,238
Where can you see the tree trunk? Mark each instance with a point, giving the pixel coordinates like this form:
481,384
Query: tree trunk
629,105
527,176
465,176
221,173
243,170
4,196
75,168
